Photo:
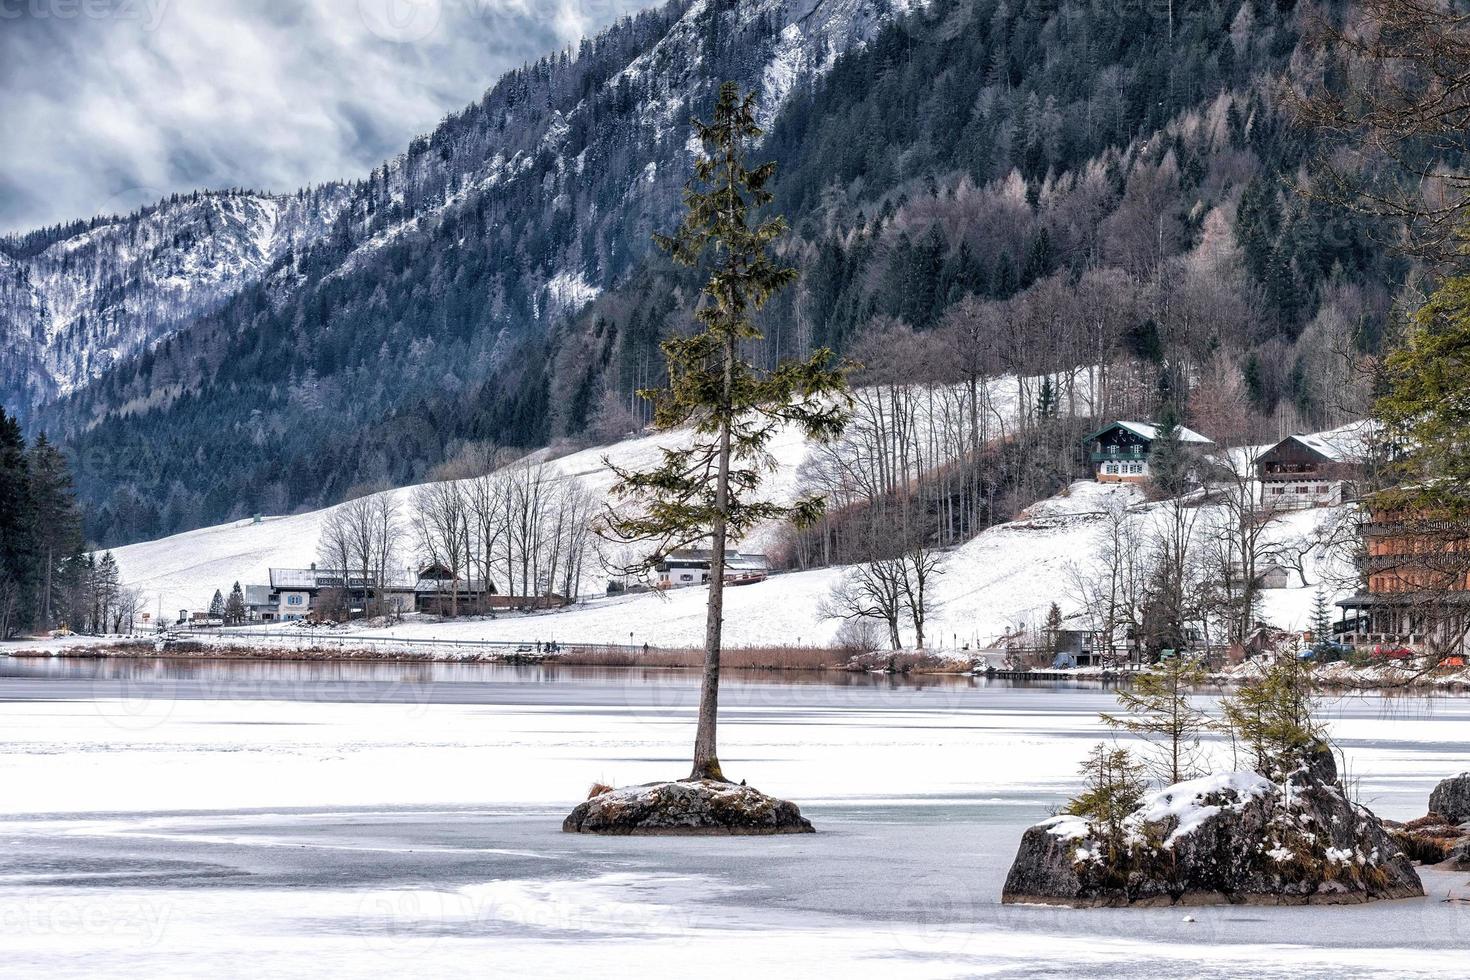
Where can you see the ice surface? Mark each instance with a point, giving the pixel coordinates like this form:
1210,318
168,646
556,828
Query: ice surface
360,820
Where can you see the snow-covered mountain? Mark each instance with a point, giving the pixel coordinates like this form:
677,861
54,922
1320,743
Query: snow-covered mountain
76,301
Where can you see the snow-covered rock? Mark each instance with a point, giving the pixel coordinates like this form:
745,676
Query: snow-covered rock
686,807
1228,838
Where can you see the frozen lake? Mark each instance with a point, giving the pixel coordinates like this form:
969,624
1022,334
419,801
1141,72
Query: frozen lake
274,819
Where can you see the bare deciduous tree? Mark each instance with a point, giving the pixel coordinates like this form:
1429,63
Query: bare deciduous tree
441,515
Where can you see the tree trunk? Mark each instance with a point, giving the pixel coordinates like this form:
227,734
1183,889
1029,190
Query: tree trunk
706,757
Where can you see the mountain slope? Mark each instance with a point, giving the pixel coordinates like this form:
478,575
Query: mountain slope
75,303
436,286
972,185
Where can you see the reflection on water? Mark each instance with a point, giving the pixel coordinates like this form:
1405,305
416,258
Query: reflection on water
667,689
175,668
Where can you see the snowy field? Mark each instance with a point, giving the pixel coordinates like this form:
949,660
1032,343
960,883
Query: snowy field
360,820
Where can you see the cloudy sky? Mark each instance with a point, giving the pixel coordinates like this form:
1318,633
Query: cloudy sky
109,104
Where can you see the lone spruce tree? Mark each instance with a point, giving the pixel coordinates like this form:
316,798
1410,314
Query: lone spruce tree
707,491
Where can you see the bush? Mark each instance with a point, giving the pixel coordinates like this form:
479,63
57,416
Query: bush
861,635
1114,788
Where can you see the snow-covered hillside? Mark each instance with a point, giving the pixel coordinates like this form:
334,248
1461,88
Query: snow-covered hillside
183,571
1002,580
75,301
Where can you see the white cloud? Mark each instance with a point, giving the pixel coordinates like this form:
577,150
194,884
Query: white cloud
113,103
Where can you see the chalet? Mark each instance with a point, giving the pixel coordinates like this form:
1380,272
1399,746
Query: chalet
1120,451
1304,471
691,566
440,591
296,593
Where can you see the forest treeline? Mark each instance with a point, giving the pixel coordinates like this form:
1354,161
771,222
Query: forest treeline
47,579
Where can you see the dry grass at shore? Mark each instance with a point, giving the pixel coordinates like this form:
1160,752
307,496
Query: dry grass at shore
733,658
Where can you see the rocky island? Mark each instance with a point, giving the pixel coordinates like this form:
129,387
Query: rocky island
685,807
1229,838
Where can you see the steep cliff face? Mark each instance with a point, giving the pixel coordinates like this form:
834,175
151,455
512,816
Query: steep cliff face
73,307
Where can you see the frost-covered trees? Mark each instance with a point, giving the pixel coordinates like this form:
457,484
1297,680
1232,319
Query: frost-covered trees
441,517
362,538
871,591
517,528
894,584
1108,587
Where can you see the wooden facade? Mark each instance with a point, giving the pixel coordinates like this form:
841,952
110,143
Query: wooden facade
1417,572
1306,471
1119,452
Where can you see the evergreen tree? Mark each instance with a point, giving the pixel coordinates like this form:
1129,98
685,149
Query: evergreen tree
1425,411
1321,622
1157,708
56,523
1275,718
1167,464
217,606
706,491
106,586
17,525
235,606
1053,628
1046,401
1113,788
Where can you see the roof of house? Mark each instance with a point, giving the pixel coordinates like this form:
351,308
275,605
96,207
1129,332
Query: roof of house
733,559
257,595
1150,431
295,578
1337,450
321,578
